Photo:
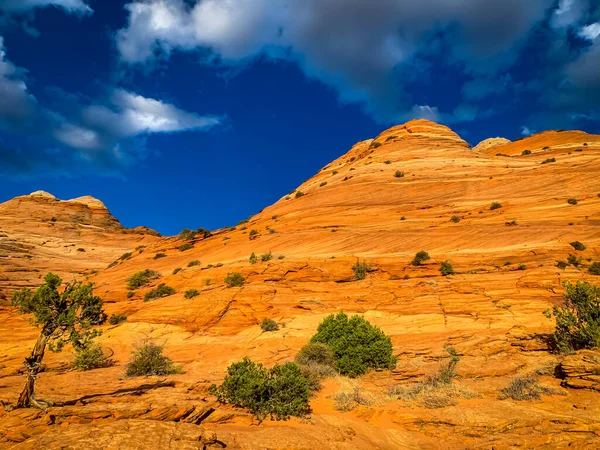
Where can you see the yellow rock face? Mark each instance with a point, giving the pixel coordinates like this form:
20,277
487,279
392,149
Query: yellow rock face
416,186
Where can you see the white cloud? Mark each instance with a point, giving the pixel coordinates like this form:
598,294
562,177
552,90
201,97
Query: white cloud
568,13
17,103
17,6
77,137
525,131
590,32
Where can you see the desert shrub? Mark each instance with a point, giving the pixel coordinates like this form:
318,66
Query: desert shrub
141,278
356,344
160,255
495,205
253,258
376,144
594,268
525,387
191,293
176,271
269,325
578,318
549,160
147,360
347,401
278,393
185,247
194,263
299,194
360,270
186,234
160,291
91,357
522,267
399,174
447,372
446,268
403,218
112,264
234,279
81,249
266,257
562,264
316,354
324,183
252,233
526,152
578,246
572,201
116,319
390,138
455,219
387,162
130,294
574,260
420,257
511,223
335,172
125,256
315,373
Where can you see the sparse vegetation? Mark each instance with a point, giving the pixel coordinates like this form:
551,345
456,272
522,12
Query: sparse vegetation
522,267
193,263
116,319
420,257
278,393
125,256
578,246
269,325
376,144
495,205
526,152
324,183
594,268
234,279
446,268
185,247
387,161
348,401
81,249
578,318
253,258
266,257
252,233
511,223
191,293
142,278
160,255
390,138
299,194
160,291
176,271
64,317
525,387
147,360
360,270
572,201
549,160
455,219
130,294
399,174
91,357
562,264
356,344
574,260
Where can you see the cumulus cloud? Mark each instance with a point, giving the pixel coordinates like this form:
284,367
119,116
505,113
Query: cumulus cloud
356,46
102,137
590,32
19,6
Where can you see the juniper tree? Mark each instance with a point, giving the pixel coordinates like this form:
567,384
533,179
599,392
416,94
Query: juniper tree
65,317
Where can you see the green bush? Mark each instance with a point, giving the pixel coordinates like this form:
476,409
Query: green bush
578,318
186,234
278,393
594,268
572,201
160,291
317,354
420,257
269,325
524,387
446,268
495,205
266,257
455,219
234,279
81,249
549,160
116,319
562,264
387,162
130,294
91,357
390,138
526,152
253,258
176,271
574,260
360,270
252,233
193,263
299,194
356,344
185,247
125,256
578,246
147,360
324,183
376,144
191,293
160,255
399,174
142,278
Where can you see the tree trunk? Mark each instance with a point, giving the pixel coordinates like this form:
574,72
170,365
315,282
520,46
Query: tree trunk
27,399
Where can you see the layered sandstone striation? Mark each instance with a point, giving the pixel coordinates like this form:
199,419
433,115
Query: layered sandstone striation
416,186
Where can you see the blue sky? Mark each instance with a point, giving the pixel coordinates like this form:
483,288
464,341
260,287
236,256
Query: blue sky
199,113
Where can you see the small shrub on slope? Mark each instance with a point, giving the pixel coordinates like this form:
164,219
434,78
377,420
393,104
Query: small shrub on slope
162,290
269,325
360,270
420,257
147,360
234,279
91,357
141,278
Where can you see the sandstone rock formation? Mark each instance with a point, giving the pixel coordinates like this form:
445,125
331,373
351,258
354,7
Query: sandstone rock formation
416,186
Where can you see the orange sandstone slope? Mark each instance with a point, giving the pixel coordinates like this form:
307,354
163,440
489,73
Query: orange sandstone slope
39,233
382,202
